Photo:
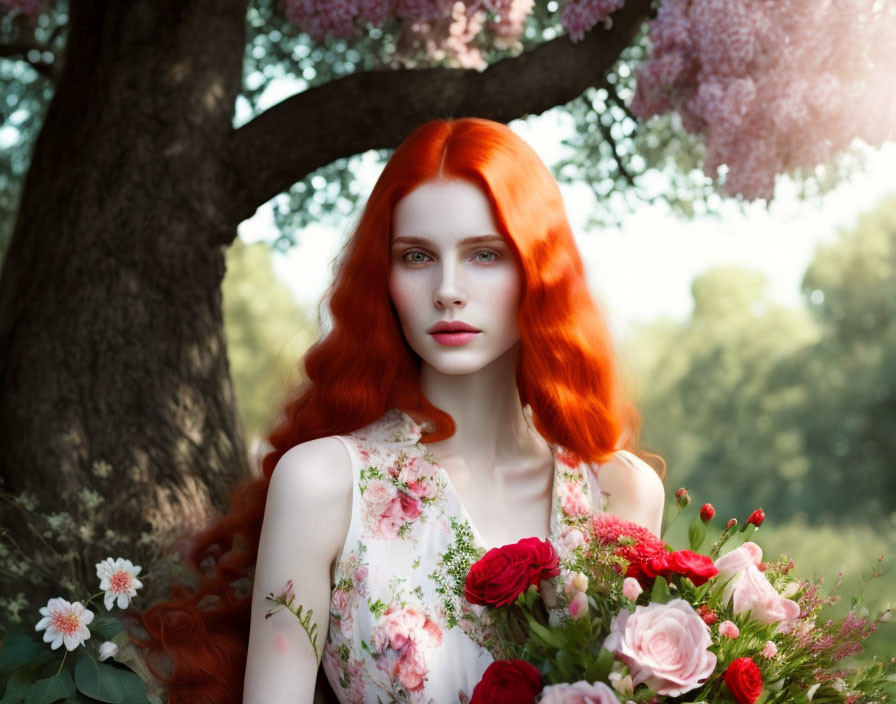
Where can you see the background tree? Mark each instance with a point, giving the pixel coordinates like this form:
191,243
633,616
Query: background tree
112,354
266,333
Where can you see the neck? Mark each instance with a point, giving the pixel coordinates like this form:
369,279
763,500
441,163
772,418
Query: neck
492,429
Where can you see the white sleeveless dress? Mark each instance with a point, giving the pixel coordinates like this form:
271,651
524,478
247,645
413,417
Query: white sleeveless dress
397,631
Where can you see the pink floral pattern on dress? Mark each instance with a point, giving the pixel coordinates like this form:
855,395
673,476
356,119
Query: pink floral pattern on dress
399,641
395,498
400,629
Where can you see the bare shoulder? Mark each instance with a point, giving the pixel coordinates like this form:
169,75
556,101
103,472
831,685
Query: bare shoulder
634,490
311,490
317,470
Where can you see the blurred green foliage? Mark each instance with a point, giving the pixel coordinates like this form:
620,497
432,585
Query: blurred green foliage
267,334
752,404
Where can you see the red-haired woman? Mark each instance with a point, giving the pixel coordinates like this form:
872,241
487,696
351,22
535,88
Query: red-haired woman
466,397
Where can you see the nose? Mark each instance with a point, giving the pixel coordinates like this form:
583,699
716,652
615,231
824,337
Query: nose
449,293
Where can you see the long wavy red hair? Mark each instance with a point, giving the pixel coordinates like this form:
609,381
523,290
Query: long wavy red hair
363,366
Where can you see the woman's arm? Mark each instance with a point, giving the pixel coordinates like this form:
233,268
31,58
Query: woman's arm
634,490
306,520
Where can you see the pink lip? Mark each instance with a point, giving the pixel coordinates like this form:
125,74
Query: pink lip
453,339
452,326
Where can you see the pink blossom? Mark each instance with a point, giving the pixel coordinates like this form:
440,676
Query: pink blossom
391,520
410,507
574,501
747,589
665,646
770,649
729,629
570,539
578,693
378,494
631,588
578,607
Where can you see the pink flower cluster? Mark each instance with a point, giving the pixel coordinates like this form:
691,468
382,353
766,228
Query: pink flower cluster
394,501
773,86
398,639
573,499
581,15
432,29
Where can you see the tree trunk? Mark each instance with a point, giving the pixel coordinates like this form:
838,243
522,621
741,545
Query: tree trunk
117,413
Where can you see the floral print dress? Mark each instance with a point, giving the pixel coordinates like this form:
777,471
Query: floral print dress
400,629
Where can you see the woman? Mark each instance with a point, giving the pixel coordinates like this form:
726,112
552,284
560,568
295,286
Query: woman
468,371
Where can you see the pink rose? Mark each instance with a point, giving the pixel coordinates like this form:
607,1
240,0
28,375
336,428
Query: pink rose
578,693
410,507
664,645
631,588
391,520
747,589
412,668
770,649
729,629
378,494
574,502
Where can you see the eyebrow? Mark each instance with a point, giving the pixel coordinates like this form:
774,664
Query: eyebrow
478,239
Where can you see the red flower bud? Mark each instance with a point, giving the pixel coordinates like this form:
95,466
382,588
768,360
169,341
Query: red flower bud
707,512
731,524
707,614
756,518
682,497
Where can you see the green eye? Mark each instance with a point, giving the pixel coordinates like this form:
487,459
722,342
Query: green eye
416,257
491,256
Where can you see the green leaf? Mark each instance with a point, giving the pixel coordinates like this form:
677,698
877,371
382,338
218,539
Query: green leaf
696,534
106,626
134,687
660,593
546,636
51,689
17,684
19,649
98,680
599,669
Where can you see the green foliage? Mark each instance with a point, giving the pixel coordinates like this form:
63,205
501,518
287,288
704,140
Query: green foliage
267,333
755,405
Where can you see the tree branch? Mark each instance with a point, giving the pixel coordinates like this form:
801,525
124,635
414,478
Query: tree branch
378,109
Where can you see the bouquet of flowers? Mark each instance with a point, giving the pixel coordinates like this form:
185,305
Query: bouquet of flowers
619,616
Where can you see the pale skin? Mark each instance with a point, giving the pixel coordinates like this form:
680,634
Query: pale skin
500,467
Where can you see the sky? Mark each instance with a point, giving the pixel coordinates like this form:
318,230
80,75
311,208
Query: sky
643,269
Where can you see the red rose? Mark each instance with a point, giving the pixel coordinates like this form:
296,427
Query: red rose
696,567
744,680
508,682
502,574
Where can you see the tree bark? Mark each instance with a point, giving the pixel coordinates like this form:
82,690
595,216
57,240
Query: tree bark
112,354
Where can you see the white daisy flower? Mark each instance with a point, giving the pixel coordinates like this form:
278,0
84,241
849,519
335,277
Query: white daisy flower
118,578
64,623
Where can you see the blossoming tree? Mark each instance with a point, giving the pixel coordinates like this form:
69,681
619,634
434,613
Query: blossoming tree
113,362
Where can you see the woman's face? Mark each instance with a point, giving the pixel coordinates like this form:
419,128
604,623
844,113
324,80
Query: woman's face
452,270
